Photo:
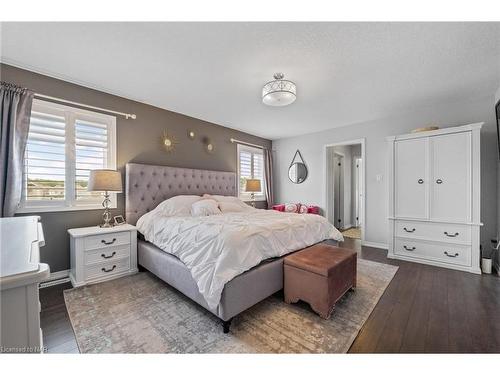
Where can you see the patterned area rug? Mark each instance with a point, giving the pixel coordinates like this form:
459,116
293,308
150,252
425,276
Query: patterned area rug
352,233
142,314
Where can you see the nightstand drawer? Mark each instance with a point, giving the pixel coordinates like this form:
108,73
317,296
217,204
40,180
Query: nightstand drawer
106,254
102,241
106,269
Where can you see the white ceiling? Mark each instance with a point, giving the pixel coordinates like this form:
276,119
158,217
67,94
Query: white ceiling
345,72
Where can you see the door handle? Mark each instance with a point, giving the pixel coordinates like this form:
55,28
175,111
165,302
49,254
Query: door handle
109,256
108,243
111,269
451,235
409,248
449,255
439,181
409,230
420,181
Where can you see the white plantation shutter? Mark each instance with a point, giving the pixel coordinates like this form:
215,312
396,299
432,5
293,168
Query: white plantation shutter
45,158
91,152
250,165
64,144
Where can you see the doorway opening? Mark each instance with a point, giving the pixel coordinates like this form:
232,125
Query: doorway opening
345,187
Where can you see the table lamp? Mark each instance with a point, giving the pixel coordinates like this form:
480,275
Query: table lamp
105,180
253,186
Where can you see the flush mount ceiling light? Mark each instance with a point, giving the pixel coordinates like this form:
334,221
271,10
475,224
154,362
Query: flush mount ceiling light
279,92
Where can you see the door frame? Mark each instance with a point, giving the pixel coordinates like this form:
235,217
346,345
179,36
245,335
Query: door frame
341,212
327,174
357,188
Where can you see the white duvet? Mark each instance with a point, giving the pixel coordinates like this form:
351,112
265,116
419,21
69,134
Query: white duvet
218,248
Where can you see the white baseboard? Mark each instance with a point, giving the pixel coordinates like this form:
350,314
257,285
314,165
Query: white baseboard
378,245
348,226
55,278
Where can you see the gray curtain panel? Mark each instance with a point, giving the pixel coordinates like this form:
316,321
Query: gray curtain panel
268,170
15,111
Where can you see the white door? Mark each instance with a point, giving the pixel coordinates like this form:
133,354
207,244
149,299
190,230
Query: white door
358,191
451,177
410,169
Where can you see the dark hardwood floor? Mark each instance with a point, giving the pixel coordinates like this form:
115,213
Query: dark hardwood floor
424,309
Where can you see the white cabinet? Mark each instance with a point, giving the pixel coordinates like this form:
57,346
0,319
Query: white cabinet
100,254
434,197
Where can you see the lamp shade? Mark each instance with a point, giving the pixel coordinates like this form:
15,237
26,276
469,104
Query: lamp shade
105,180
252,185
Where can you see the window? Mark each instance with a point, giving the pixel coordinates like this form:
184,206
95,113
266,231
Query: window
250,165
64,144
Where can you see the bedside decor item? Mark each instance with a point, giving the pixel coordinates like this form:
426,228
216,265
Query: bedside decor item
119,220
105,180
425,129
253,186
191,134
100,254
297,172
280,92
169,141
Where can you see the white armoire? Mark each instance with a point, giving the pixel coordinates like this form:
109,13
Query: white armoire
434,197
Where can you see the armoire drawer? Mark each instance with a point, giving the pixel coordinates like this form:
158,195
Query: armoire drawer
453,233
441,252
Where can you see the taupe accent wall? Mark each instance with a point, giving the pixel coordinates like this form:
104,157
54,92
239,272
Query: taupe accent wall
138,141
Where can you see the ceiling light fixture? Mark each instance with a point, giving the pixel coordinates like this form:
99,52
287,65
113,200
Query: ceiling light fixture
279,92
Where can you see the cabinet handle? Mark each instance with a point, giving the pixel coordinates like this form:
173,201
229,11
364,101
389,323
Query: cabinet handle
449,255
451,235
111,269
408,230
439,181
409,248
108,243
420,181
109,256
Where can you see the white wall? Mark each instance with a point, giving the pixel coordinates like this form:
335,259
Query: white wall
312,149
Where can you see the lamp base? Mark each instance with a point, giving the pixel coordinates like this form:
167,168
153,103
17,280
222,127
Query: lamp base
106,215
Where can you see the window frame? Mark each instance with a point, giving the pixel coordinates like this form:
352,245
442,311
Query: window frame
70,203
246,197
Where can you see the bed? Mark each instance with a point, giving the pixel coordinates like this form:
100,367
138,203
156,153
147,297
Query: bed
149,185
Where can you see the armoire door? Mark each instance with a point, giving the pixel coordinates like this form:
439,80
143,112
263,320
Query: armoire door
450,193
410,169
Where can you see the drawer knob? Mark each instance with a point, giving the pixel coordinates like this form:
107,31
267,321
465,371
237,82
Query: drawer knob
409,230
409,248
111,269
420,181
439,181
451,234
449,255
109,256
108,243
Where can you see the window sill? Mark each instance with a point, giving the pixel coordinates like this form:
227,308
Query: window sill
25,210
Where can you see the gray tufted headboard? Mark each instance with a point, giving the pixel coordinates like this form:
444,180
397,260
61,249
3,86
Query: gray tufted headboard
149,185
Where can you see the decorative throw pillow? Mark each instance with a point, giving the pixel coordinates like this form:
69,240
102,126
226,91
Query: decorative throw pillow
292,207
205,207
313,210
279,207
302,208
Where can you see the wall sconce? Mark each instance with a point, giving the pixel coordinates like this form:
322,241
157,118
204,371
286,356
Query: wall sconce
169,141
210,147
191,134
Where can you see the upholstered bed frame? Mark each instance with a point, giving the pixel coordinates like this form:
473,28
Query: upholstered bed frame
149,185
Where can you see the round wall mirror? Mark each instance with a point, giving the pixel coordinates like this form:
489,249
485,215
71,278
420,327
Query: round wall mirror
297,173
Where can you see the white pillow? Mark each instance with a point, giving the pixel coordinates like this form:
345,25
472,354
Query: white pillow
179,205
227,198
233,207
205,207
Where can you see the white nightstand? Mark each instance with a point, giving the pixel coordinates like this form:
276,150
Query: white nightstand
99,254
